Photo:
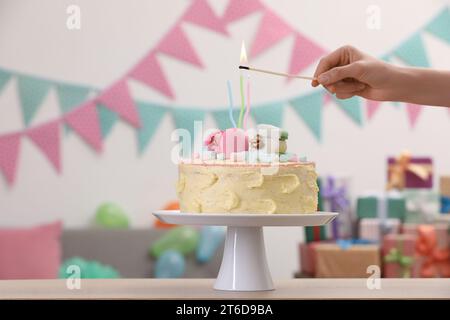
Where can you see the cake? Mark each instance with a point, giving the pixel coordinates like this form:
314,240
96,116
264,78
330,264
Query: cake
242,172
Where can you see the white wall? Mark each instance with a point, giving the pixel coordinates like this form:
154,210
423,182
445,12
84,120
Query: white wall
114,34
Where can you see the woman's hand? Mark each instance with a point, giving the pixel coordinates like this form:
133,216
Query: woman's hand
347,72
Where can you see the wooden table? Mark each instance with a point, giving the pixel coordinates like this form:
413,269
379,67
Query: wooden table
150,289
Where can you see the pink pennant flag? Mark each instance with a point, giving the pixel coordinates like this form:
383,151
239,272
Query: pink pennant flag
238,9
9,155
372,108
47,138
201,14
118,99
84,120
177,45
303,54
271,30
149,72
413,112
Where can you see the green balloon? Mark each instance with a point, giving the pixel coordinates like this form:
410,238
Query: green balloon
110,215
182,239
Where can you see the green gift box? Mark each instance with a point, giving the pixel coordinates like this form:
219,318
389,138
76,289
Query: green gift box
368,207
316,233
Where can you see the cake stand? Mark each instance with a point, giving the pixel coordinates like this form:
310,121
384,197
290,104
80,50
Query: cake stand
244,265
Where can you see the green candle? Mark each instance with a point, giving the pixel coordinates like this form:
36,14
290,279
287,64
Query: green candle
241,114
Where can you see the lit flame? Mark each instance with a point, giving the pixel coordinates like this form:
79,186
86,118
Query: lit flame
243,54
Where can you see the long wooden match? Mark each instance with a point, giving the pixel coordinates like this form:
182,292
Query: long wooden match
277,73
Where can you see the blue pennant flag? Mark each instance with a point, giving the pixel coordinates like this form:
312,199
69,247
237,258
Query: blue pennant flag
70,96
4,78
185,118
150,115
32,92
352,107
309,108
413,52
107,119
440,25
270,113
222,118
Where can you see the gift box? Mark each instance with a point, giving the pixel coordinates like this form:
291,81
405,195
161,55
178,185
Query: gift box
374,229
377,205
444,186
307,258
422,205
334,261
432,248
409,172
398,253
335,198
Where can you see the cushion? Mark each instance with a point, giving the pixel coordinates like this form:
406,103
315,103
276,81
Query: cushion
30,253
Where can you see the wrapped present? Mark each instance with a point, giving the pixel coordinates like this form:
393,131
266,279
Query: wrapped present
398,253
445,204
406,171
444,186
379,205
334,261
316,233
335,198
422,205
307,258
374,229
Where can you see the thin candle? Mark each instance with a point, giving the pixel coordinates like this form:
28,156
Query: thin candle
241,81
247,111
230,100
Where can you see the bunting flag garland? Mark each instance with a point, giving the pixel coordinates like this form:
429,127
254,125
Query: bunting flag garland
440,25
413,113
32,91
413,52
47,138
84,120
149,72
352,108
119,100
151,116
201,14
372,108
272,29
107,119
309,108
237,9
94,119
303,54
177,45
4,78
271,113
9,155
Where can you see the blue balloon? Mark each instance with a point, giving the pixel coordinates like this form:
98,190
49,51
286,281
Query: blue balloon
170,264
211,237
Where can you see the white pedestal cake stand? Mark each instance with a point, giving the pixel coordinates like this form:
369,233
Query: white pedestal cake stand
244,265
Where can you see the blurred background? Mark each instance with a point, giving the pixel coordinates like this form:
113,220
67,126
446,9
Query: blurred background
90,92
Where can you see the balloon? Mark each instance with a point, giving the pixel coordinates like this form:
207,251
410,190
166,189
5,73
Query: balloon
170,264
183,239
172,205
110,215
89,269
211,237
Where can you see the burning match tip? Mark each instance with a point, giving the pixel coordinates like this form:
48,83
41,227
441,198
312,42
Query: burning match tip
244,67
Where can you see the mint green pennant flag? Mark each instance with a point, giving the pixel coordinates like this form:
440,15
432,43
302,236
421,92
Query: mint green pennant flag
440,25
150,115
184,119
270,113
352,107
413,52
107,119
32,92
309,108
4,78
70,96
387,57
222,118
